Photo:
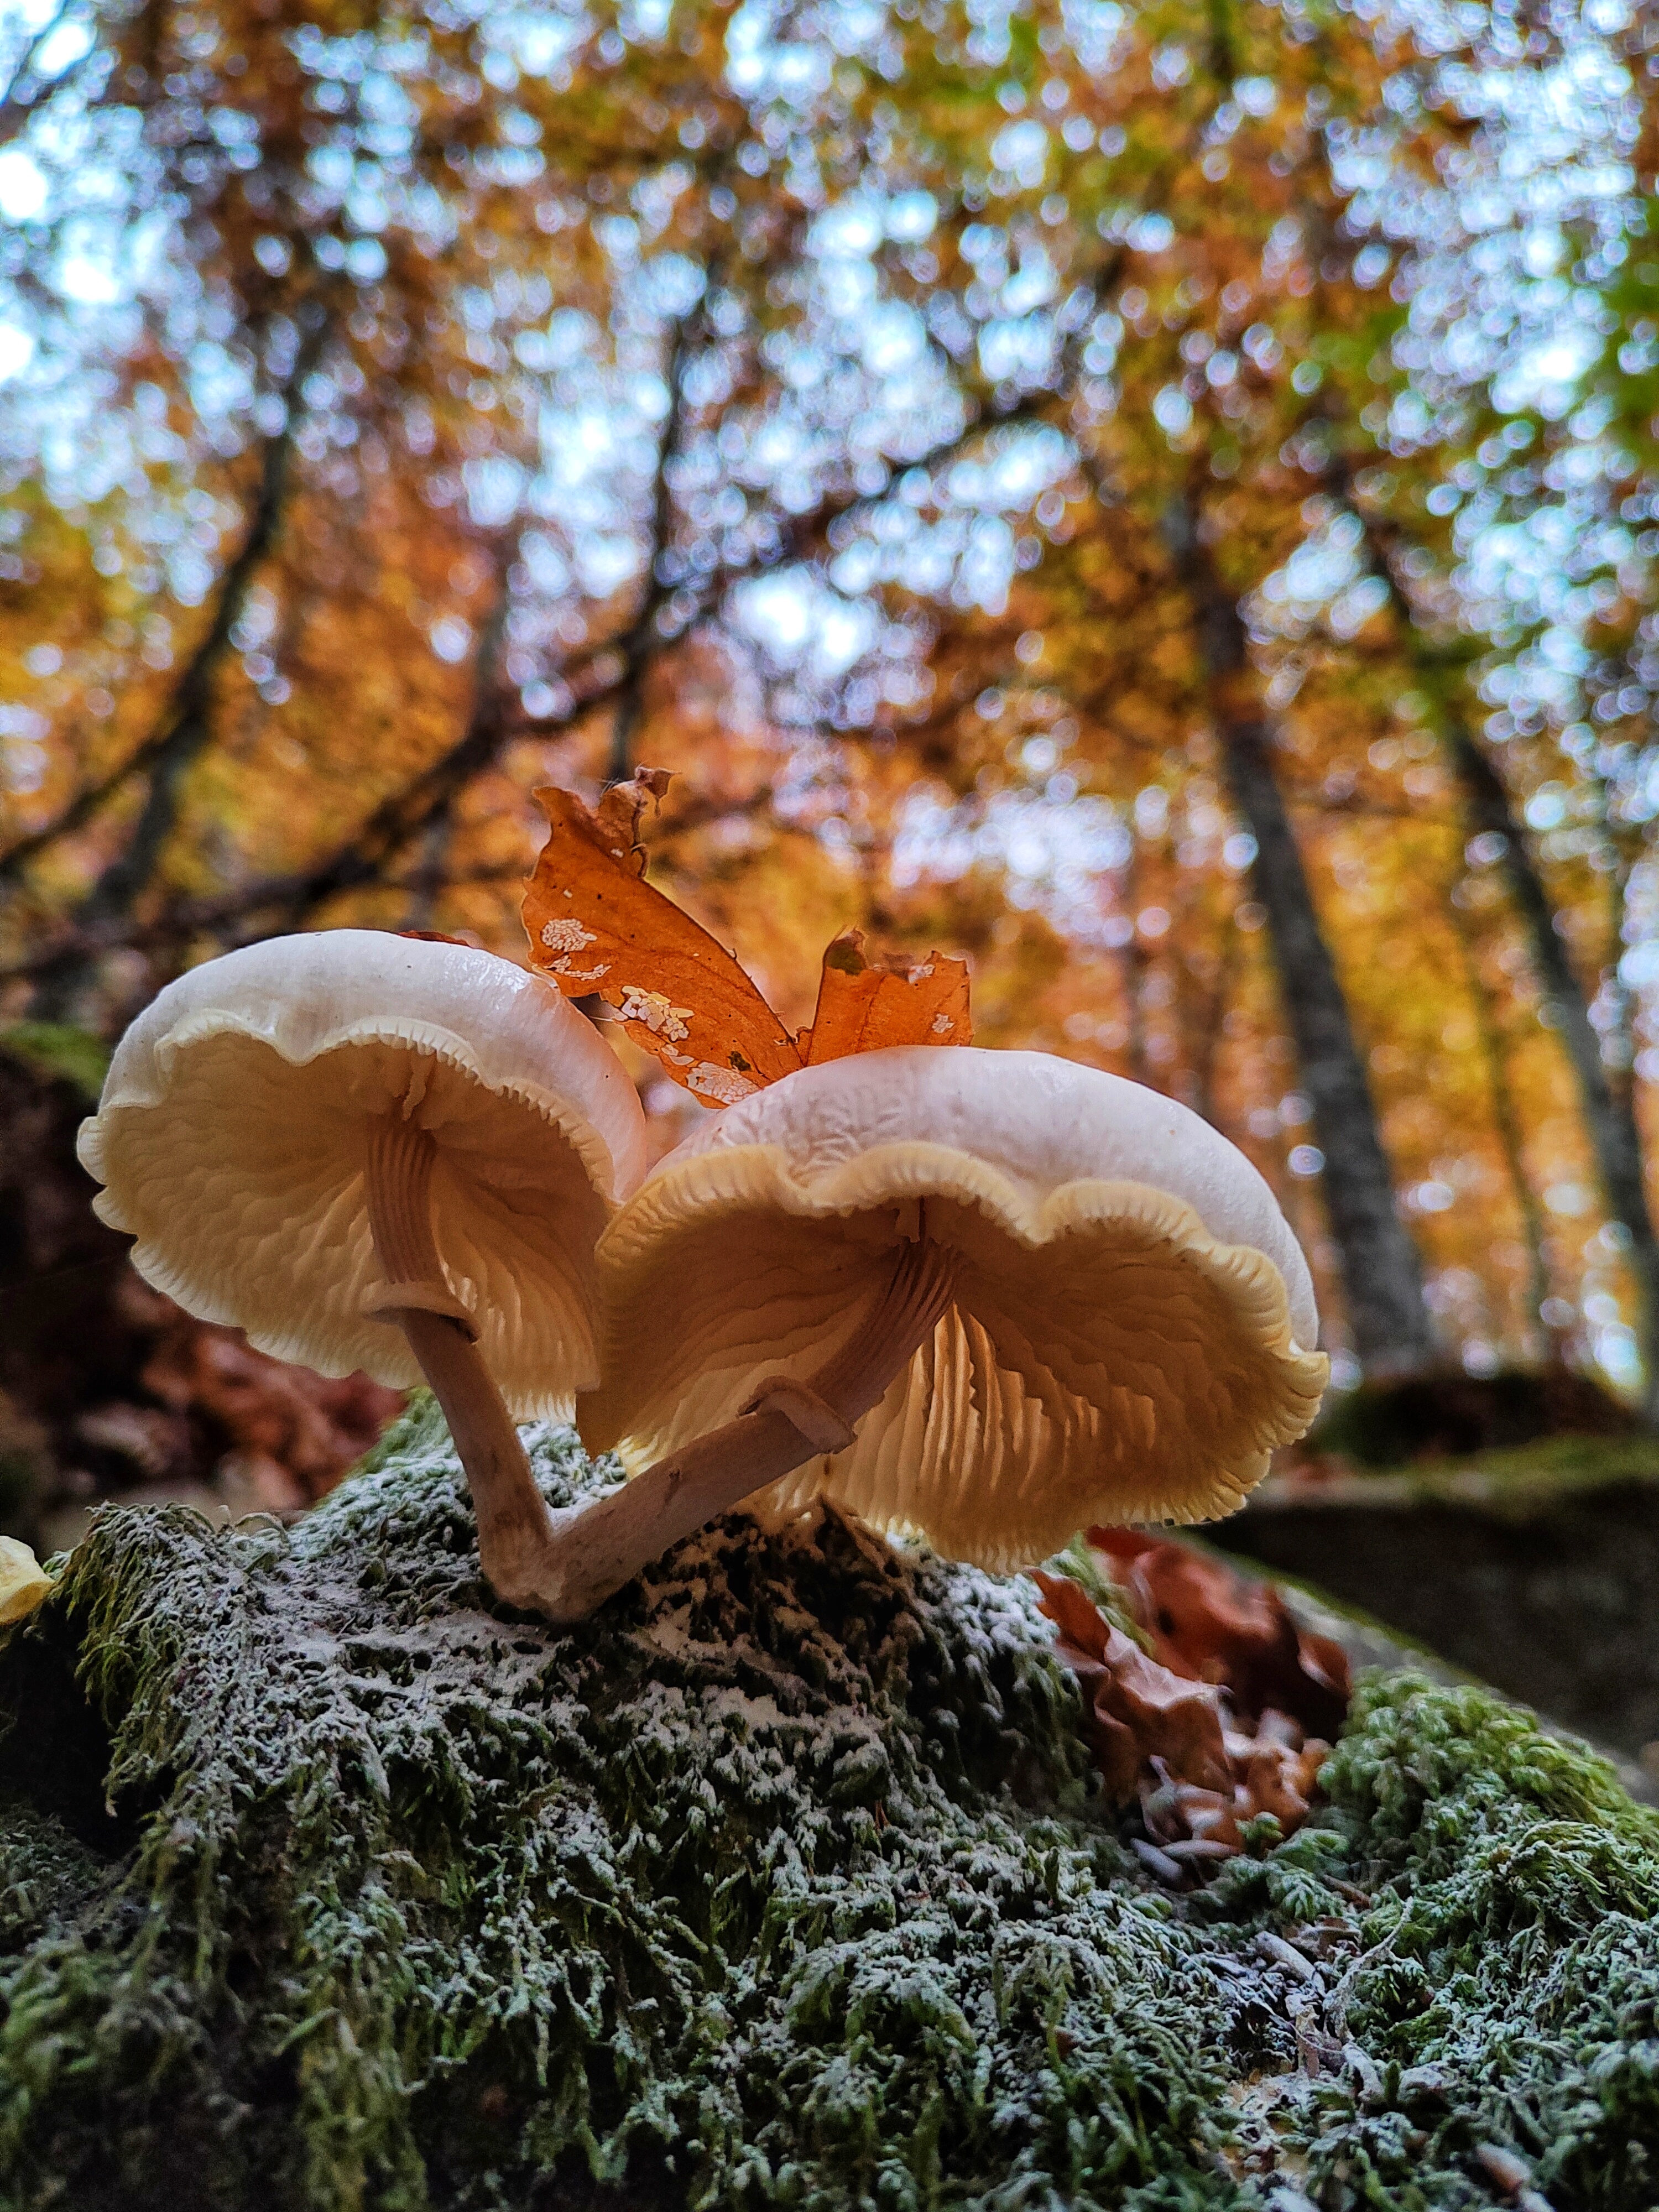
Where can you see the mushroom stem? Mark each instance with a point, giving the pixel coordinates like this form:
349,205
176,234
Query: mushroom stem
514,1525
597,1548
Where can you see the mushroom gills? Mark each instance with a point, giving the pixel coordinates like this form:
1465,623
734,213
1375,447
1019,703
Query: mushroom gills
514,1523
596,1548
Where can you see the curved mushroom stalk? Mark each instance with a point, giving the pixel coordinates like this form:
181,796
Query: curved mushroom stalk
514,1523
594,1549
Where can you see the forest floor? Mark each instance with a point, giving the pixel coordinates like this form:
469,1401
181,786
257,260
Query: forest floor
326,1883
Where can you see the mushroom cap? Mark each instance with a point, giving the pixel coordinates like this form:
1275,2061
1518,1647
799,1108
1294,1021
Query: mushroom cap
1133,1322
233,1132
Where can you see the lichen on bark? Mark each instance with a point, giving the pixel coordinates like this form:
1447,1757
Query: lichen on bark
325,1882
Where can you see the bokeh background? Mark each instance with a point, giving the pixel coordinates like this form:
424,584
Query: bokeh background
1163,498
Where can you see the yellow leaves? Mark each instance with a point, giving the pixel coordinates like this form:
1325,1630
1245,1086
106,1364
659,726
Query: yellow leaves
867,1003
23,1581
596,926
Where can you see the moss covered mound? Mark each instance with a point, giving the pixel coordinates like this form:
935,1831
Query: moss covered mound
324,1882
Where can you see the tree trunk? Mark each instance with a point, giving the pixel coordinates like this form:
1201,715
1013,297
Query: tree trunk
1608,1109
1381,1273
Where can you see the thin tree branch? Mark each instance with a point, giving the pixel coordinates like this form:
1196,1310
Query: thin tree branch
1495,1054
16,110
1203,1059
359,860
185,726
655,597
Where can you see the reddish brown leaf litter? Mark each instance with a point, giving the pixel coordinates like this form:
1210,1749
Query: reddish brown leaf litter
1207,1622
294,1433
106,1386
1227,1715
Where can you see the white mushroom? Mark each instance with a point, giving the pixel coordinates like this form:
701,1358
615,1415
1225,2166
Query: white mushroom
380,1153
992,1297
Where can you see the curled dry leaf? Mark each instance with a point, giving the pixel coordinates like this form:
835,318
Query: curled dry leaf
597,927
867,1001
1207,1622
1138,1711
1227,1717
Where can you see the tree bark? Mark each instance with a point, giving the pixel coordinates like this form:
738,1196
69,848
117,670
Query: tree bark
1381,1273
1609,1110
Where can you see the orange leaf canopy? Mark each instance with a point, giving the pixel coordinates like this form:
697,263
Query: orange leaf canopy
596,926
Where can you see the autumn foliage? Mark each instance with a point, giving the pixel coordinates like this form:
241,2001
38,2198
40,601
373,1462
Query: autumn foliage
1019,472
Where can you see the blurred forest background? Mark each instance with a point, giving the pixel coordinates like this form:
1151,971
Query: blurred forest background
1163,498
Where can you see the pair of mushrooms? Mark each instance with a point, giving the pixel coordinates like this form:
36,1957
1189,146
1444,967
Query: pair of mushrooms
988,1298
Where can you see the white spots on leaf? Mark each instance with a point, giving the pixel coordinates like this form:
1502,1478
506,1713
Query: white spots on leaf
723,1084
567,935
653,1011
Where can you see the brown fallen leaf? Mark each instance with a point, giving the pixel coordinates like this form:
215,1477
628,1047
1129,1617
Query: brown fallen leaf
1207,1622
867,1001
1139,1710
596,928
1191,1729
596,925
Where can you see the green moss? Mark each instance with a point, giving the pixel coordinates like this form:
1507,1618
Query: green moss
325,1882
1523,1481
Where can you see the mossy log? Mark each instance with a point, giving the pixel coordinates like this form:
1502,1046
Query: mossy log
325,1882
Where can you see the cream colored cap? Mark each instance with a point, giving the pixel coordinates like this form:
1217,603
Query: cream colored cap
1134,1323
233,1131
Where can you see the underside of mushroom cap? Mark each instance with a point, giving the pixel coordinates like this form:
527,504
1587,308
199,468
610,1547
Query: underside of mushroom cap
1123,1346
232,1138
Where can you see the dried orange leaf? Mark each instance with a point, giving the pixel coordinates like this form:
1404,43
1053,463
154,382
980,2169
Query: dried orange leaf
1209,1623
596,925
620,805
1139,1710
867,1001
